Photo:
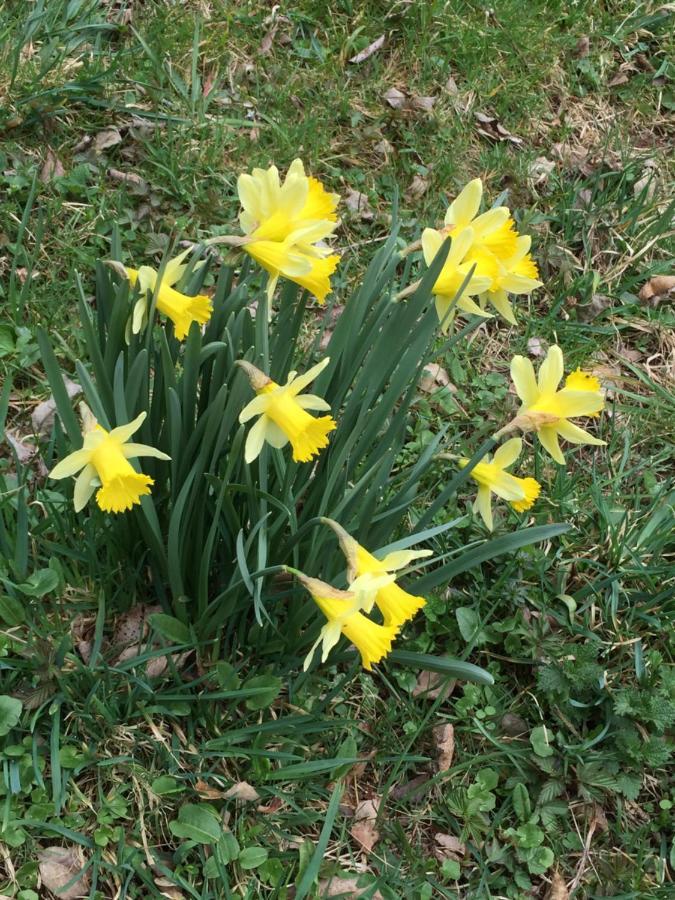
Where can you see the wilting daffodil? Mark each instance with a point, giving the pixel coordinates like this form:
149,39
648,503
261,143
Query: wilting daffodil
284,223
180,308
396,605
452,275
283,414
491,477
342,609
493,230
103,463
547,410
516,275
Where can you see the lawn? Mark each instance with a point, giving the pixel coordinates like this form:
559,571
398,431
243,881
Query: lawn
220,769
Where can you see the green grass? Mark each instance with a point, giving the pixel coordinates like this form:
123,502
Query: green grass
575,632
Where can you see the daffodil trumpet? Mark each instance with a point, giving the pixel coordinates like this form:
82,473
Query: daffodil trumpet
547,410
396,605
344,616
103,466
284,414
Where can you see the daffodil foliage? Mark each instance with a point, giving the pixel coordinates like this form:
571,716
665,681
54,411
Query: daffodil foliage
264,498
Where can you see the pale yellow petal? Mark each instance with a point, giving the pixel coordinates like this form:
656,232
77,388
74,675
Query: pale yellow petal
123,432
134,451
483,505
85,485
576,435
399,559
508,453
300,382
464,208
548,435
551,371
255,407
255,440
431,244
522,375
71,464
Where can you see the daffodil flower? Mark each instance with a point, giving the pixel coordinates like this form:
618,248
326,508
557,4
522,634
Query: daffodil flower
103,463
492,230
182,309
516,275
491,477
342,610
284,224
454,271
283,414
547,410
396,605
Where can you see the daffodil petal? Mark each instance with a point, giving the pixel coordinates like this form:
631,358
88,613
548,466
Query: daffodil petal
503,305
123,432
399,559
133,451
522,375
548,435
551,371
431,244
300,382
464,208
316,404
576,435
71,464
255,440
255,407
483,506
508,453
85,485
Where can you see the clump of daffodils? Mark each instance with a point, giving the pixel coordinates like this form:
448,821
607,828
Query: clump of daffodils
285,224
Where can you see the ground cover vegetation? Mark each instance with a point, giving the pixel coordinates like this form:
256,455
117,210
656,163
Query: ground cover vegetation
164,727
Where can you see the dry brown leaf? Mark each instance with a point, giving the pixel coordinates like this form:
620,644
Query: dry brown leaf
436,377
243,791
268,40
444,738
558,889
168,889
384,148
396,99
426,104
449,847
536,346
432,685
540,169
132,626
109,137
42,417
599,303
58,865
368,51
514,725
583,46
363,830
657,288
52,167
207,792
451,86
137,184
418,187
492,129
273,806
358,203
344,888
413,790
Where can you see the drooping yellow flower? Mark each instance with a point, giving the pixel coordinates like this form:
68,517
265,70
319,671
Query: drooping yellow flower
547,410
284,223
283,414
396,605
103,463
180,308
493,230
516,275
454,271
491,477
342,609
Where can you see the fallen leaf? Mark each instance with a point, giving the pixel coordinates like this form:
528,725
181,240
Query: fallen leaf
449,847
368,51
490,128
363,830
132,626
540,169
58,865
536,346
273,806
444,738
137,184
52,167
431,685
344,888
412,790
207,792
396,99
451,86
436,377
558,889
42,417
168,889
583,47
599,303
82,632
646,183
358,203
658,287
418,187
268,40
243,791
426,104
514,725
109,137
384,148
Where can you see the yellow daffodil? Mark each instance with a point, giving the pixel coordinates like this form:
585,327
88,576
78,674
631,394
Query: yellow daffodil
493,230
103,463
180,308
547,410
454,271
283,414
491,477
516,275
342,609
284,223
396,605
